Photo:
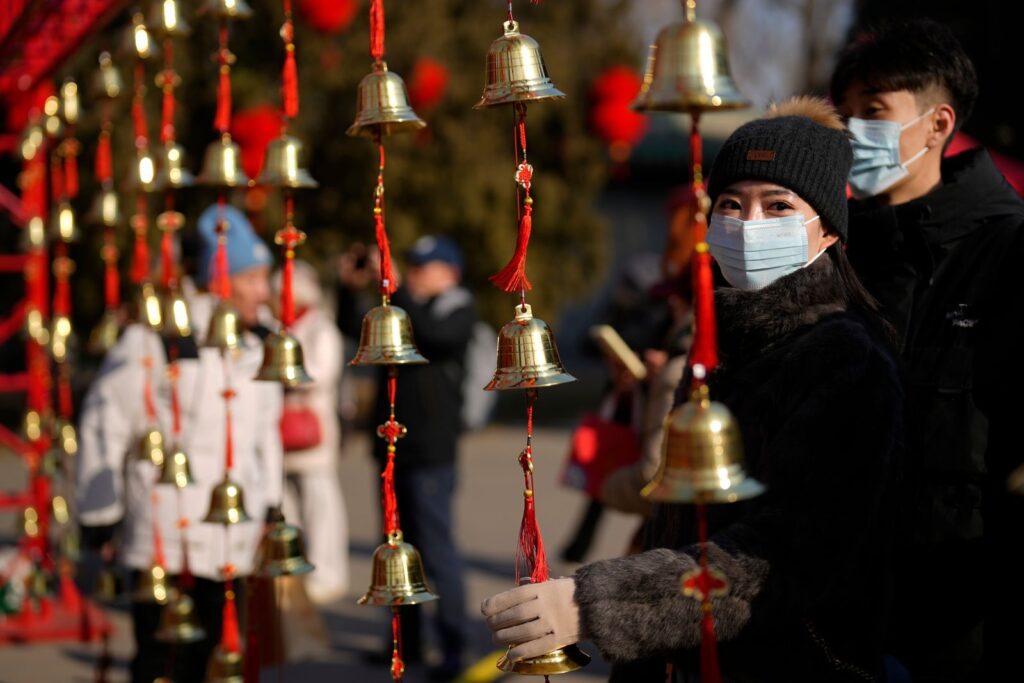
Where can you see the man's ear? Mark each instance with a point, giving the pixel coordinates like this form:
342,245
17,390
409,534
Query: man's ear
943,126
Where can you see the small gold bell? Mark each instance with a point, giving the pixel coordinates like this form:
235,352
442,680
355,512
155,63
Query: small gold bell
560,661
702,456
138,41
31,141
65,436
225,667
105,210
176,319
282,165
152,586
227,9
222,164
35,326
382,106
61,335
69,104
397,575
227,506
527,355
172,173
688,71
34,236
178,623
104,335
107,83
167,20
64,225
282,550
148,307
176,470
223,332
516,71
386,339
142,177
32,425
282,361
53,124
151,447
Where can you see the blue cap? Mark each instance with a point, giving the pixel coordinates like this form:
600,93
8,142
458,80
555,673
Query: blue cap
245,249
434,248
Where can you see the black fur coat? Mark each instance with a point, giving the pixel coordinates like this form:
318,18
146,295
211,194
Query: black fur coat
819,403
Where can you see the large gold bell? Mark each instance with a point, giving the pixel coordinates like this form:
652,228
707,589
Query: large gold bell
148,308
142,177
282,361
382,106
527,355
560,661
386,339
223,332
397,575
516,71
64,224
171,171
225,667
178,623
282,166
282,551
107,83
702,456
105,210
226,9
61,334
222,164
104,335
176,320
151,447
688,71
227,506
166,20
152,586
176,470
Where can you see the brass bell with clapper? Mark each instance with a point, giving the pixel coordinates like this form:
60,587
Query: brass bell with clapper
282,550
152,586
176,470
224,332
516,71
527,355
151,447
382,106
227,505
282,166
222,165
386,338
282,361
225,666
397,575
178,623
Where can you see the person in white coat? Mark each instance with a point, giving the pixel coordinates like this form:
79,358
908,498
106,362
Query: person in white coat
115,487
312,436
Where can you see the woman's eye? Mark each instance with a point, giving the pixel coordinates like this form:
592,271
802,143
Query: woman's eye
779,206
728,205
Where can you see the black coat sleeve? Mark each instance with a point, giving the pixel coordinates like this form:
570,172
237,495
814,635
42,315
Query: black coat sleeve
439,338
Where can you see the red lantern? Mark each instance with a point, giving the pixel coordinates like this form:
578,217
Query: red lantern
616,124
427,84
616,84
253,129
328,16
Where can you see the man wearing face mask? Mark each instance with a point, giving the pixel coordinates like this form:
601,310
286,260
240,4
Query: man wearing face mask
938,242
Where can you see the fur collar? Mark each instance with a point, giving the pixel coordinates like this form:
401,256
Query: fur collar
750,321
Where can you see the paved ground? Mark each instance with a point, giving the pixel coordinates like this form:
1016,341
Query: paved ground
488,511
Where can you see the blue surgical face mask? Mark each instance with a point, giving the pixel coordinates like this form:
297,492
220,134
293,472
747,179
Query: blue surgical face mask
754,254
876,155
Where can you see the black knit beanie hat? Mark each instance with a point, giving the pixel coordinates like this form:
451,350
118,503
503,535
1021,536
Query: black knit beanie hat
796,151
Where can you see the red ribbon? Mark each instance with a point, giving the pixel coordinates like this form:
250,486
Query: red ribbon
231,639
377,29
530,551
64,393
111,275
70,170
705,348
62,287
222,121
158,539
167,259
140,254
167,108
289,74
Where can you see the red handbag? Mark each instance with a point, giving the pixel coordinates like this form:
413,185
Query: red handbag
598,448
300,428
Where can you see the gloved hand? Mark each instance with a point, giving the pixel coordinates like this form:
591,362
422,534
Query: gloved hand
534,619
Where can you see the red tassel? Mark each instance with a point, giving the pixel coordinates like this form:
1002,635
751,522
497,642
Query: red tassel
287,292
231,639
512,278
387,273
140,258
390,431
71,173
104,161
222,121
62,287
64,393
290,81
530,552
377,29
705,347
167,259
167,112
111,286
397,665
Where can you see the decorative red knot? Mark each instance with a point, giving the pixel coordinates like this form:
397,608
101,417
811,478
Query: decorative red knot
183,523
147,362
526,460
391,431
701,584
229,573
228,394
289,236
524,175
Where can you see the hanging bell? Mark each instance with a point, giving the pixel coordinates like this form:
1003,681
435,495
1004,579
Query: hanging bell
516,71
178,622
33,237
65,436
63,224
31,142
282,165
282,550
69,104
166,19
282,361
152,586
527,355
32,425
227,506
149,309
105,210
61,336
688,71
382,106
702,456
386,339
104,336
171,171
138,42
35,326
175,314
398,577
151,447
227,9
223,332
222,164
176,470
225,667
107,83
142,177
560,661
53,124
107,581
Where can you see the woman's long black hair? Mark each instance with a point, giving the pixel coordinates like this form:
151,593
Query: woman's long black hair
859,300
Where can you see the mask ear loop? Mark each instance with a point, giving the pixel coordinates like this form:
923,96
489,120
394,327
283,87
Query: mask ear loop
924,151
818,255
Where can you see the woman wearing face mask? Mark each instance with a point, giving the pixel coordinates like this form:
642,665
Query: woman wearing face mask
807,372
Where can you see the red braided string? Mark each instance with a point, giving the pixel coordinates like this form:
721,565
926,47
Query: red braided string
231,639
57,189
147,390
111,276
387,273
530,551
229,442
390,431
289,74
222,121
175,402
287,295
377,29
166,259
705,348
397,665
167,108
709,669
104,158
186,579
62,285
221,272
66,406
512,278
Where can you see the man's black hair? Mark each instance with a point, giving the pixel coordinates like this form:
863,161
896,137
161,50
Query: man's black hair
913,55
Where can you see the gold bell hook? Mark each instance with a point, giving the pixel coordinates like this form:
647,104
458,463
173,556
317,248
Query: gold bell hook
516,71
527,355
386,339
382,106
398,577
282,361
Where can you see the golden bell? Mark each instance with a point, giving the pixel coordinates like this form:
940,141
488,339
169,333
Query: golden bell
152,447
171,172
227,9
223,332
69,103
32,425
152,586
104,336
53,124
560,661
148,308
105,210
175,315
31,141
178,623
397,575
166,19
138,41
107,82
225,667
227,506
702,456
142,177
65,436
516,71
222,165
688,71
61,335
382,106
386,339
282,551
175,470
282,361
64,224
527,355
33,237
281,166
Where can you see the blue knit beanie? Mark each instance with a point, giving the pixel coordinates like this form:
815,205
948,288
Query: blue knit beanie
245,249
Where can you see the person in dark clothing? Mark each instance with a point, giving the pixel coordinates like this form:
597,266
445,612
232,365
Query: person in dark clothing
429,403
807,372
939,243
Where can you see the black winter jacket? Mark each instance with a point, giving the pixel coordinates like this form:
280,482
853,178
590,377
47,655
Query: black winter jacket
818,401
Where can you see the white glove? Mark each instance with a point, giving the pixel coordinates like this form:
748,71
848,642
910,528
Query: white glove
534,619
